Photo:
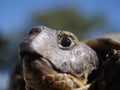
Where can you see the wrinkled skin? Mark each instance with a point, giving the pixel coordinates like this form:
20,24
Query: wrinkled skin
51,64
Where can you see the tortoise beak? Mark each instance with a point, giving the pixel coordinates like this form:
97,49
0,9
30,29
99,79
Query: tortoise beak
25,49
25,46
33,62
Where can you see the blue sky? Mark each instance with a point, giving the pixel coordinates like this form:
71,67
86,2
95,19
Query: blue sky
16,13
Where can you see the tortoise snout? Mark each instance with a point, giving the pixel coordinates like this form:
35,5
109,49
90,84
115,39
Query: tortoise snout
36,30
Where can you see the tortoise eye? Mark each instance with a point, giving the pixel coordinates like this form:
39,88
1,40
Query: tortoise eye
66,42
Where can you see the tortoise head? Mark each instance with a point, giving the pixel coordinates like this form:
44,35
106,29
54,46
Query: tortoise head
55,60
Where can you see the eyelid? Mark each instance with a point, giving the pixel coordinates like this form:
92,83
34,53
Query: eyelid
71,36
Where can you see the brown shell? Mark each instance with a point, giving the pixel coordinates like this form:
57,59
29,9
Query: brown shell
109,41
104,45
108,51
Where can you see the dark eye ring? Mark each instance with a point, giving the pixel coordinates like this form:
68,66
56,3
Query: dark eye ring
66,42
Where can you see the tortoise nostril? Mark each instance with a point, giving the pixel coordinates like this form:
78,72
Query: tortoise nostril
35,30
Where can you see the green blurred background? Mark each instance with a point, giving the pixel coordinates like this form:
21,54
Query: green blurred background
85,18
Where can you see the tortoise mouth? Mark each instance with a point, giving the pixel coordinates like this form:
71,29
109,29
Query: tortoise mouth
39,69
36,64
30,55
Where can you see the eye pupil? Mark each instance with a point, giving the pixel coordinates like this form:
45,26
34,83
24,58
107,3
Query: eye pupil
65,42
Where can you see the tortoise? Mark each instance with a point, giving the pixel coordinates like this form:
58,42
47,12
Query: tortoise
57,60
